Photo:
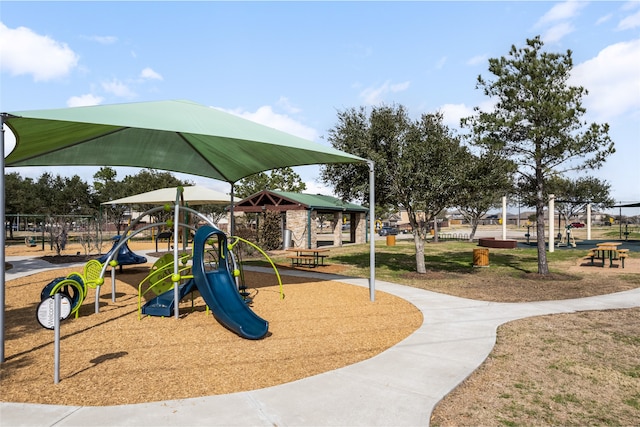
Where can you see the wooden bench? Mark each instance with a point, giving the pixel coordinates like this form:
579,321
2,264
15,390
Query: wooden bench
621,257
309,257
622,254
593,253
308,260
321,258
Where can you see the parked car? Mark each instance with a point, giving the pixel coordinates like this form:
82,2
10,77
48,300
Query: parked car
388,231
577,224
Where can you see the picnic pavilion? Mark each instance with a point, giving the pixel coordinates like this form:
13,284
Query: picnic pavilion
300,213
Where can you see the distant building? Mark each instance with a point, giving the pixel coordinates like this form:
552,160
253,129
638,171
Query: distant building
300,213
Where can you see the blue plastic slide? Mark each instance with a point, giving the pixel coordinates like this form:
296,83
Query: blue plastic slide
219,291
125,255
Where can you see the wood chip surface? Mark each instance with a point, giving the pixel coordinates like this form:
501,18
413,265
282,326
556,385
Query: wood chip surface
112,358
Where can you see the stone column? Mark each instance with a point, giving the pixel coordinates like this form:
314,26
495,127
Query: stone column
312,221
360,221
297,223
337,229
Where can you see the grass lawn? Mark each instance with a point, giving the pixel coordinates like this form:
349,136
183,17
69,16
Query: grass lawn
511,277
570,369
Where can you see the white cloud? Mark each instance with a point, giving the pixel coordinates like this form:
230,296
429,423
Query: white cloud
441,62
25,52
149,74
604,19
400,87
266,116
117,88
630,22
85,100
374,95
103,39
557,20
478,59
452,113
314,187
612,80
284,103
557,32
561,11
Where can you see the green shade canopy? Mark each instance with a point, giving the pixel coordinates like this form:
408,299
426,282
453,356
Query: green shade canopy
178,136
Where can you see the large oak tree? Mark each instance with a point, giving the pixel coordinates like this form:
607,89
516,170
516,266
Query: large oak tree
417,164
283,179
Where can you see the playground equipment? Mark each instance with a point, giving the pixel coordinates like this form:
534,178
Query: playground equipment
528,233
218,288
567,239
125,255
235,240
75,285
160,282
216,283
219,279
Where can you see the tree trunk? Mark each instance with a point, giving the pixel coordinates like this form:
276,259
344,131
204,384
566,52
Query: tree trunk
543,267
474,228
435,229
419,241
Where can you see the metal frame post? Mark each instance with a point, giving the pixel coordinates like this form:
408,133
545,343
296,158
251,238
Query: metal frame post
372,243
2,239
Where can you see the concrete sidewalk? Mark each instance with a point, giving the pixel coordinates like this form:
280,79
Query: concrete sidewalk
398,387
27,265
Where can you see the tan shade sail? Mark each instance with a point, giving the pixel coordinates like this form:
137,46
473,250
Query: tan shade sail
194,195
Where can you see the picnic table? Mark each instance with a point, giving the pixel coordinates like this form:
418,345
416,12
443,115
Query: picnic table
608,250
307,257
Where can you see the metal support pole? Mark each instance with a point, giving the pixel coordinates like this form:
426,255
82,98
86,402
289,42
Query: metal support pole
372,244
113,284
504,217
176,291
552,209
588,221
96,306
620,222
2,239
232,221
57,302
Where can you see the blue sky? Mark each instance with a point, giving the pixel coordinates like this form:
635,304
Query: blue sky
293,65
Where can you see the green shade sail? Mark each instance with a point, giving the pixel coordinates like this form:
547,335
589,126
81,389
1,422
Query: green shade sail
177,136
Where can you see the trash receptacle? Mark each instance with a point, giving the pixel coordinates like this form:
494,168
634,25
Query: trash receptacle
286,239
481,257
391,240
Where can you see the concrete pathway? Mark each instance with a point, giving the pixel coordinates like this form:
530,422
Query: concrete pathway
398,387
